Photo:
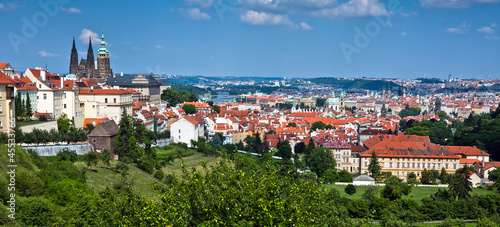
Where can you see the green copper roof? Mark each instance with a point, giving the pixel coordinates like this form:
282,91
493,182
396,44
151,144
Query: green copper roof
103,49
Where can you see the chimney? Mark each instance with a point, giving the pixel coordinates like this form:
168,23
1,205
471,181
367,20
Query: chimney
62,83
91,89
42,74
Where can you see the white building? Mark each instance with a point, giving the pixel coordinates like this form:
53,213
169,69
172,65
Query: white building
187,129
50,96
102,103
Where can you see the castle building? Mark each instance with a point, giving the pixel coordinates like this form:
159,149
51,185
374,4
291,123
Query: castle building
87,67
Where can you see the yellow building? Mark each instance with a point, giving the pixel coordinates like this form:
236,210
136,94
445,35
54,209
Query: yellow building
6,102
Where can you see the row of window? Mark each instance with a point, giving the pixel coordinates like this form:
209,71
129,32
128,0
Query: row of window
414,159
412,165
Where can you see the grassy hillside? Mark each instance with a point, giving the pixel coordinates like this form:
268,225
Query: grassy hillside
190,157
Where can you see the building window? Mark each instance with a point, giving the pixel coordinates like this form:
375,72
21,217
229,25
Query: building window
1,108
1,125
64,106
179,137
179,131
93,106
114,100
44,96
390,165
94,141
106,100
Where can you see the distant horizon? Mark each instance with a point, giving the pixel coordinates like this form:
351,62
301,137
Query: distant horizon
259,38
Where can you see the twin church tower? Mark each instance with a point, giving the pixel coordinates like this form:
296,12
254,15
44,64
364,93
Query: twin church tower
86,67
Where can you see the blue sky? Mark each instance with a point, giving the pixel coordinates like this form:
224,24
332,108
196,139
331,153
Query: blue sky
292,38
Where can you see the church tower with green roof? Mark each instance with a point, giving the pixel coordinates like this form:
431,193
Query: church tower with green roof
103,65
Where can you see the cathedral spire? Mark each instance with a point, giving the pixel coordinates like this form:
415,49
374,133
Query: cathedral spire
90,67
73,63
74,46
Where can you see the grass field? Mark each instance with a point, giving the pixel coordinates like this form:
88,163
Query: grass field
22,123
417,193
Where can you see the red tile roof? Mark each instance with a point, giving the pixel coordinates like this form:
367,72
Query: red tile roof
103,91
4,79
467,151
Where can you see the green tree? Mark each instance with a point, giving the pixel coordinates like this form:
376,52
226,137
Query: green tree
67,155
371,193
89,127
309,148
122,139
19,105
216,108
394,188
317,125
444,176
460,186
63,124
90,159
217,140
28,107
350,189
189,108
321,160
417,130
106,157
284,150
374,165
344,176
291,124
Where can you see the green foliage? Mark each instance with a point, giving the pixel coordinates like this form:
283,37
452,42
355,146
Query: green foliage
448,222
374,165
417,130
67,155
90,159
444,176
485,222
63,124
42,118
189,89
217,140
494,176
370,193
409,111
228,197
291,124
35,211
216,108
350,189
330,176
89,127
394,188
159,174
284,150
189,108
317,125
321,159
106,157
174,97
344,176
147,164
28,109
460,186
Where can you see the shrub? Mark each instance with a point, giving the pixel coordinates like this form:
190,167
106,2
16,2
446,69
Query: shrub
159,174
67,155
42,118
350,189
147,164
448,222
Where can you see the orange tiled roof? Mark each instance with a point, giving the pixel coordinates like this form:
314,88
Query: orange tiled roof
4,79
103,91
467,151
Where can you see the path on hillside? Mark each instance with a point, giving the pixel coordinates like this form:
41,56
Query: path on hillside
147,174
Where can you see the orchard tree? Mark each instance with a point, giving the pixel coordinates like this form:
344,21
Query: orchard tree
90,158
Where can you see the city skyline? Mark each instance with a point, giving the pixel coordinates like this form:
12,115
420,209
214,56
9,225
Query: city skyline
265,38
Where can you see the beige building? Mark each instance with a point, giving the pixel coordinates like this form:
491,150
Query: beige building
6,102
102,103
403,157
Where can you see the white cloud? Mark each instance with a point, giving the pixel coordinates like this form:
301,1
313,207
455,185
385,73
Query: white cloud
86,34
403,14
488,37
202,3
493,25
159,46
45,54
136,48
460,29
305,26
486,30
9,5
71,10
403,33
262,19
453,4
354,8
195,14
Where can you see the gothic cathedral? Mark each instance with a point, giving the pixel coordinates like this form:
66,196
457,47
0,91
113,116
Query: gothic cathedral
86,67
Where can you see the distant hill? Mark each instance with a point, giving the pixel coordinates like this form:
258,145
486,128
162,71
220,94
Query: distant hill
356,83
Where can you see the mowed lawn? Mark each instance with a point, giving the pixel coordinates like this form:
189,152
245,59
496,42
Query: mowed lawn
417,193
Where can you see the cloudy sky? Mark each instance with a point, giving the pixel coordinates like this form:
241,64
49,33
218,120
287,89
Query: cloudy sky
306,38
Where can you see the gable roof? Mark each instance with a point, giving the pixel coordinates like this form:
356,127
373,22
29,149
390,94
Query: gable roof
4,79
193,120
126,81
107,128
